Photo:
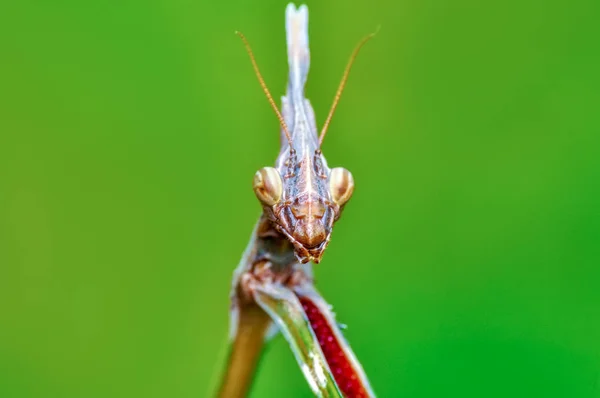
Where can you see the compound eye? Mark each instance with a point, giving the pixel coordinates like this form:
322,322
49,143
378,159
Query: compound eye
268,186
341,185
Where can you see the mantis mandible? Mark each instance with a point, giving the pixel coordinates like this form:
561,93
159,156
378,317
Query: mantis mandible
301,198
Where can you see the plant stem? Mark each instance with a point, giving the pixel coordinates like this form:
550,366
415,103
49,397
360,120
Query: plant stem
245,352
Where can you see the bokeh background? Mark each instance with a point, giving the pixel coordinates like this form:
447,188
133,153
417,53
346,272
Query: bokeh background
466,265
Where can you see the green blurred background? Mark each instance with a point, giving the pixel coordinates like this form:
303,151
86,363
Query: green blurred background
466,265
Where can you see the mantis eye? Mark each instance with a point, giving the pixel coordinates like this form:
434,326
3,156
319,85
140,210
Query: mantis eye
268,186
341,185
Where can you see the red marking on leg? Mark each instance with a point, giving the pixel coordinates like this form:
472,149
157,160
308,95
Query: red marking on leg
344,373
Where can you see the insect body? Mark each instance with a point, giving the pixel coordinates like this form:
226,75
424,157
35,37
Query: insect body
301,199
301,195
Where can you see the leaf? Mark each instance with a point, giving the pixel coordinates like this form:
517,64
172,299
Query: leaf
285,309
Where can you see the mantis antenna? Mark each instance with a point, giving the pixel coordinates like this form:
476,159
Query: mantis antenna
340,89
266,89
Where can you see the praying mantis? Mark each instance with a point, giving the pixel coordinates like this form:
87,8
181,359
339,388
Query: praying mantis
301,198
